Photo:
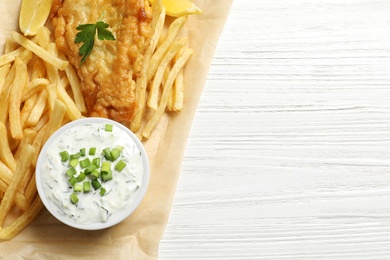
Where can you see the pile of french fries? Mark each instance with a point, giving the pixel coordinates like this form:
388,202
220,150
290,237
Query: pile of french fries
40,91
160,87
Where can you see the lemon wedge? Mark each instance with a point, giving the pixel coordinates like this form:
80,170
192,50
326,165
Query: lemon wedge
33,15
178,8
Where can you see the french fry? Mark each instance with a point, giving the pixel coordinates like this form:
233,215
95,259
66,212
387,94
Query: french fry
38,109
39,51
71,110
33,87
157,23
154,88
3,188
22,221
3,74
76,89
13,143
26,110
38,70
5,152
43,35
28,138
164,79
178,92
10,45
56,118
163,35
10,57
42,121
21,77
5,173
26,179
52,71
64,81
25,56
30,191
20,200
38,142
142,82
178,87
166,92
22,166
5,94
174,28
51,96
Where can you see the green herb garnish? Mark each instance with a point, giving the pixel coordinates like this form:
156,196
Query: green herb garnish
64,156
87,36
95,170
108,127
74,198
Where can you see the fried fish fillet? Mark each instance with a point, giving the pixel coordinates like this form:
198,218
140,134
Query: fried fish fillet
108,76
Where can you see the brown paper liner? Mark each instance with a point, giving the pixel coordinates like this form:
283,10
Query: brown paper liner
138,236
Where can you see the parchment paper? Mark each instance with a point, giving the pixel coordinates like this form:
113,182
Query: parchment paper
138,236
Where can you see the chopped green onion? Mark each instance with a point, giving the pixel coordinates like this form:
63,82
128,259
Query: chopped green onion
107,154
82,151
106,173
73,162
92,151
94,168
71,171
86,186
89,169
72,180
106,176
120,165
108,128
106,167
96,161
78,187
120,147
75,156
96,184
81,177
85,163
115,153
94,174
74,198
64,156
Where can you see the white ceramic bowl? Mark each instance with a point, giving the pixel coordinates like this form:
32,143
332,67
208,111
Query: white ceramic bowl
42,173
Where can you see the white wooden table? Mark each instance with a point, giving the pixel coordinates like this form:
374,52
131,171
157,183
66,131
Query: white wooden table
289,153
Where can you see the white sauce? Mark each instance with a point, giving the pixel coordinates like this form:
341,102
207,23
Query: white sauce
91,207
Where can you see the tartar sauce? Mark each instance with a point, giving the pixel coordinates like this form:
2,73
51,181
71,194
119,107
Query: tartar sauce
91,207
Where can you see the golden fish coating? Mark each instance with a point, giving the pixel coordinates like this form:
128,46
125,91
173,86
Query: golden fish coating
108,76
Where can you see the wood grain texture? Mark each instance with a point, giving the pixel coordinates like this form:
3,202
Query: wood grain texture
289,153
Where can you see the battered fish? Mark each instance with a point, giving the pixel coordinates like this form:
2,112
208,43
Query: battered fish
108,76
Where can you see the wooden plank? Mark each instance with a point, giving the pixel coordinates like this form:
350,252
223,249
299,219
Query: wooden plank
289,154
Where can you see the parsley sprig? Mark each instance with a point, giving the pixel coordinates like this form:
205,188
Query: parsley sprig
87,36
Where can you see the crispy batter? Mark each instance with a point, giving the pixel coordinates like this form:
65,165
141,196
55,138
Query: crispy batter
109,74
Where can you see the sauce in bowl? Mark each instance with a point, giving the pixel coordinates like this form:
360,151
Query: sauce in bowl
95,207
